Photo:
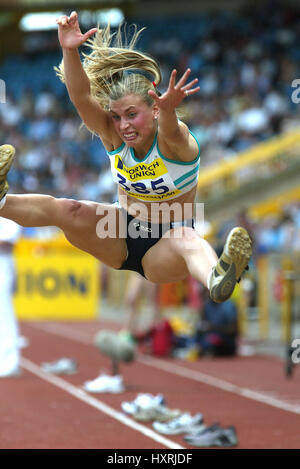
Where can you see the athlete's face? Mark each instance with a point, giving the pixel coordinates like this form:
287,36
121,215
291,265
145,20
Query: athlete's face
134,120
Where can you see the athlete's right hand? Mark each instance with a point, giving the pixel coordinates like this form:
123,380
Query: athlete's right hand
69,34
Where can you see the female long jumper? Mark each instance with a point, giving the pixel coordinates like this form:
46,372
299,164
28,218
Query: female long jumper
154,159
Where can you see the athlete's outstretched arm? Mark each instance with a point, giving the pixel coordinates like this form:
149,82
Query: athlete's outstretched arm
176,133
77,81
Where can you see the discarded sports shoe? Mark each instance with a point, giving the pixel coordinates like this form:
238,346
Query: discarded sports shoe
142,401
159,413
230,266
189,437
227,438
7,154
147,408
213,436
105,383
182,424
63,366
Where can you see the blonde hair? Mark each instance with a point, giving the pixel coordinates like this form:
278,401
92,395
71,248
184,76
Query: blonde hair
115,68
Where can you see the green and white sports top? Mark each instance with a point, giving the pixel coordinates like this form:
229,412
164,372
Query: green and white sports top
154,178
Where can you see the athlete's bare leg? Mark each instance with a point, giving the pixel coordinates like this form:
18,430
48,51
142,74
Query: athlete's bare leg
185,254
77,219
172,259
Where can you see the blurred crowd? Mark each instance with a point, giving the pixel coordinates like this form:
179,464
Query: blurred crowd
276,233
246,63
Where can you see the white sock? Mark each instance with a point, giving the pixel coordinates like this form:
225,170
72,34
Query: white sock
209,277
2,202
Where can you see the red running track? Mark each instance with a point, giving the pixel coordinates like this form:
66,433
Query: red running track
45,411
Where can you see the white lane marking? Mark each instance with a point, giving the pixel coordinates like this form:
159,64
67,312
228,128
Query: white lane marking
99,405
178,370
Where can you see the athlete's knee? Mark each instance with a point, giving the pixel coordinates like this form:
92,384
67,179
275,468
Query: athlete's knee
184,238
69,211
72,206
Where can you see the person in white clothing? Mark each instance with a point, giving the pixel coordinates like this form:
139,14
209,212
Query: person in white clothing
9,347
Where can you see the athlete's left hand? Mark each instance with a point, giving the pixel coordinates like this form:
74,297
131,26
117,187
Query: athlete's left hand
176,92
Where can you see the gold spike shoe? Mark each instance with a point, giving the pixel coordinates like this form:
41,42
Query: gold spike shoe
231,265
7,154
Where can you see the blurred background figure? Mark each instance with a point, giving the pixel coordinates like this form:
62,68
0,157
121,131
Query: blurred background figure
155,335
217,330
9,339
138,288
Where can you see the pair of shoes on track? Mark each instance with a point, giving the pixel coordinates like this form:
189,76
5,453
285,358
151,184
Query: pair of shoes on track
149,408
196,433
184,423
142,401
105,384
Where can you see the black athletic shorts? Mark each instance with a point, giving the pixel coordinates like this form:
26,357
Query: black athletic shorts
141,236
